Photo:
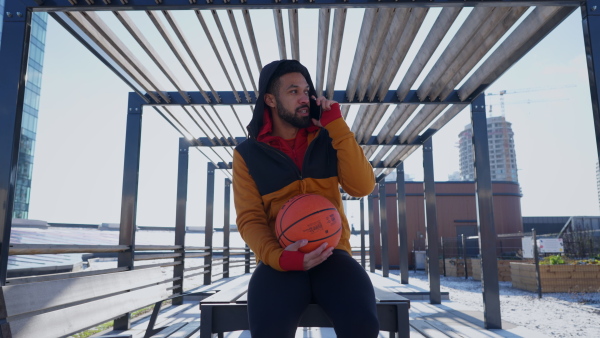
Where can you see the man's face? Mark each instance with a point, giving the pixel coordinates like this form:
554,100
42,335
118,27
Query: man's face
292,100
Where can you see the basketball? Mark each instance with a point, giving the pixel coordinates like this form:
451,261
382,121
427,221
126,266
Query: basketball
311,217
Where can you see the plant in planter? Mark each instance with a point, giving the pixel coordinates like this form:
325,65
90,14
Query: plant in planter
553,260
558,274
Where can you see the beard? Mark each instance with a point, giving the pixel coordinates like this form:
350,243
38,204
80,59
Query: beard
292,118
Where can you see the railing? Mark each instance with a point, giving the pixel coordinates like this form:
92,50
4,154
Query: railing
221,256
165,254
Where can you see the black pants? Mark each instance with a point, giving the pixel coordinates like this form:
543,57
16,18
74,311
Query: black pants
339,285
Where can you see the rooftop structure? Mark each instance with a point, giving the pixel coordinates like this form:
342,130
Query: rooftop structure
178,81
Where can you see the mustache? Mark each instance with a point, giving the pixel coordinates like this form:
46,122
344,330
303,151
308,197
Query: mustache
302,107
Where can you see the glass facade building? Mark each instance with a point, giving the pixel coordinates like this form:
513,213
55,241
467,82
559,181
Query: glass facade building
30,111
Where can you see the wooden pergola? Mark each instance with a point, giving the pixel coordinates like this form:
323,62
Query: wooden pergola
391,123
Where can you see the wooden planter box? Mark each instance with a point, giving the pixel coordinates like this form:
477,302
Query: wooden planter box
556,278
440,264
455,267
504,270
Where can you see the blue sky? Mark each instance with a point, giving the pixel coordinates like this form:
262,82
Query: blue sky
78,167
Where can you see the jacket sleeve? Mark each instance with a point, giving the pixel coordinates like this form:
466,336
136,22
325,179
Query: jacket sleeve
252,220
355,173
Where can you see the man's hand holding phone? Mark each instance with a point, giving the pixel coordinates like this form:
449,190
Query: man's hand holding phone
321,106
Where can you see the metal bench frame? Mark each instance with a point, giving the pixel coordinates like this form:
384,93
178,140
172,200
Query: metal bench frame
219,316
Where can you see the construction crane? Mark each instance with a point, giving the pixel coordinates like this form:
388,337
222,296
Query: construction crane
502,93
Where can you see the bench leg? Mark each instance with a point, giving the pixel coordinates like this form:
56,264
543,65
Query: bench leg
150,331
206,321
403,324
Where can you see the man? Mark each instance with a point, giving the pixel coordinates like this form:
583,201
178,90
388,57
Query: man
287,154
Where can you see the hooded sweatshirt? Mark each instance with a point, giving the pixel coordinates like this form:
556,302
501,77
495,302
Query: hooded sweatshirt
265,177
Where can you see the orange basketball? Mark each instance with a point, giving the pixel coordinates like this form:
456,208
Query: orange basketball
311,217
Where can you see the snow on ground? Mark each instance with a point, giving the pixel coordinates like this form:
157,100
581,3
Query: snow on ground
556,314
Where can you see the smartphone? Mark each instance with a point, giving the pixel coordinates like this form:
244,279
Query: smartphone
315,110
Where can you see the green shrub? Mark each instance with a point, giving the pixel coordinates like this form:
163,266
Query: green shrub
553,260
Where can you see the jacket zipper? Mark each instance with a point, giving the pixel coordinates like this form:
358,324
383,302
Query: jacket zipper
283,155
287,158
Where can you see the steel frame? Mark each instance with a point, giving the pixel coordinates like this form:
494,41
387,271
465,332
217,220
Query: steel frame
15,52
485,216
383,231
150,5
590,13
180,216
431,227
402,224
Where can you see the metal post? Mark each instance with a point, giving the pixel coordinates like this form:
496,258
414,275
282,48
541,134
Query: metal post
13,61
226,229
131,168
485,216
208,226
180,214
402,224
385,258
363,249
371,234
464,252
247,259
443,255
590,12
433,257
536,259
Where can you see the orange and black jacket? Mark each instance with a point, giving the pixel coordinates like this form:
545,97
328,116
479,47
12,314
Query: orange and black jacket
264,178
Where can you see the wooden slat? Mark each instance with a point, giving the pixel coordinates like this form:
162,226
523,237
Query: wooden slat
169,330
450,331
73,319
24,298
187,331
427,330
34,249
231,291
415,334
57,276
243,299
383,295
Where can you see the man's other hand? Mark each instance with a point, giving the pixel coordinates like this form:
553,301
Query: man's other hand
313,258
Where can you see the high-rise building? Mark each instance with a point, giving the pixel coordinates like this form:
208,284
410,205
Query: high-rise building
30,111
503,160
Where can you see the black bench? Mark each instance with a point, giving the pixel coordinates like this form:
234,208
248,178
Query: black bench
227,311
56,308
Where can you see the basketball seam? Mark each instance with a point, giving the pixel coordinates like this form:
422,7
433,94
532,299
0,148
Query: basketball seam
298,197
320,239
291,225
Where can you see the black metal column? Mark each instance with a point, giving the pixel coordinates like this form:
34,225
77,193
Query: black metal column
180,215
432,249
485,216
371,233
402,226
208,226
363,249
226,229
131,169
383,229
590,12
13,67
